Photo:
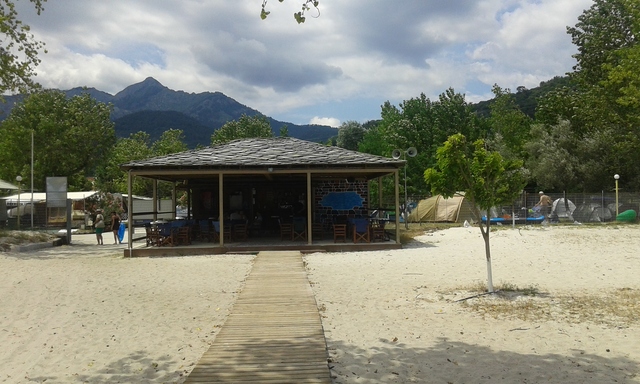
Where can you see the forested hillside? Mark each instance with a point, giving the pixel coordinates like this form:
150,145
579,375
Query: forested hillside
526,99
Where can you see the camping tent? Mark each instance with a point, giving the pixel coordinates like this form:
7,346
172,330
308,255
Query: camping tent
559,208
593,212
455,209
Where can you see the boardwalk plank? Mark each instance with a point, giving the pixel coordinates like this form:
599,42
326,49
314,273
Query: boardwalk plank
274,332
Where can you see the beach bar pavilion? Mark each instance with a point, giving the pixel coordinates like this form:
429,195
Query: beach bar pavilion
269,181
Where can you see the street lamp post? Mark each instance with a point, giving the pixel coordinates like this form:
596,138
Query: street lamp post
616,177
411,152
19,179
31,205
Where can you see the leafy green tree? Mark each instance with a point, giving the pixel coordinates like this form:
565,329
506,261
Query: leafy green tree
171,141
374,142
284,131
106,201
623,74
626,78
138,146
71,137
243,128
425,125
603,29
509,126
485,177
600,107
18,50
109,176
299,16
350,134
552,160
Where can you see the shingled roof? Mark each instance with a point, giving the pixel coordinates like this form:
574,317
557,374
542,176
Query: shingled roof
277,152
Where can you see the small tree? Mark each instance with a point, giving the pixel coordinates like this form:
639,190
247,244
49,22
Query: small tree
244,128
485,177
350,134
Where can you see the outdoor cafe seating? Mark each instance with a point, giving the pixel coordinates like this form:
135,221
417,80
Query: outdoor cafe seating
169,233
360,228
377,230
339,233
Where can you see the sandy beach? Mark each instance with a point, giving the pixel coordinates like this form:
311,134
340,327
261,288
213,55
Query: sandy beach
83,313
393,317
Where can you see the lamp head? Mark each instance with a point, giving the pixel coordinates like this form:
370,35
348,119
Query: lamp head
19,178
616,176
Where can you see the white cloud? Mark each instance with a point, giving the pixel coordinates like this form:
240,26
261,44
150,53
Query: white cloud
330,121
356,51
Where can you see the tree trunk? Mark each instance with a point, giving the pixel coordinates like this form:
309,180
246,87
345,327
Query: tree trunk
489,273
487,248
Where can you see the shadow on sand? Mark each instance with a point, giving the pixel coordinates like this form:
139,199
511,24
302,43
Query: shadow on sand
458,362
137,367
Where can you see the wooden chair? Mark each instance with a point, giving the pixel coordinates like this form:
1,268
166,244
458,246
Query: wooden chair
340,233
286,231
228,232
318,231
377,230
240,231
204,230
299,230
183,235
361,231
153,236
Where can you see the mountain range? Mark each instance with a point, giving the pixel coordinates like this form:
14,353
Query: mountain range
151,107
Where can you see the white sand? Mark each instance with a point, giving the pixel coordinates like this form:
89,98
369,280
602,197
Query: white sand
83,313
391,317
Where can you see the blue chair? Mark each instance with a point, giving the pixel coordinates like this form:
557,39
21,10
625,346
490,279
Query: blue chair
167,235
216,230
299,228
361,231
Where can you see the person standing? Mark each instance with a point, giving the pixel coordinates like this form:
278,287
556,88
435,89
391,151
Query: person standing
544,204
115,226
99,226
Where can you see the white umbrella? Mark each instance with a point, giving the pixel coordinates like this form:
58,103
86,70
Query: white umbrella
5,185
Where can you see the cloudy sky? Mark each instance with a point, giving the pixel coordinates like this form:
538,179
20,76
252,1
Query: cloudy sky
340,66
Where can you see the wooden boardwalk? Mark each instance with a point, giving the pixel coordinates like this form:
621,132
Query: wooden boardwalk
273,334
